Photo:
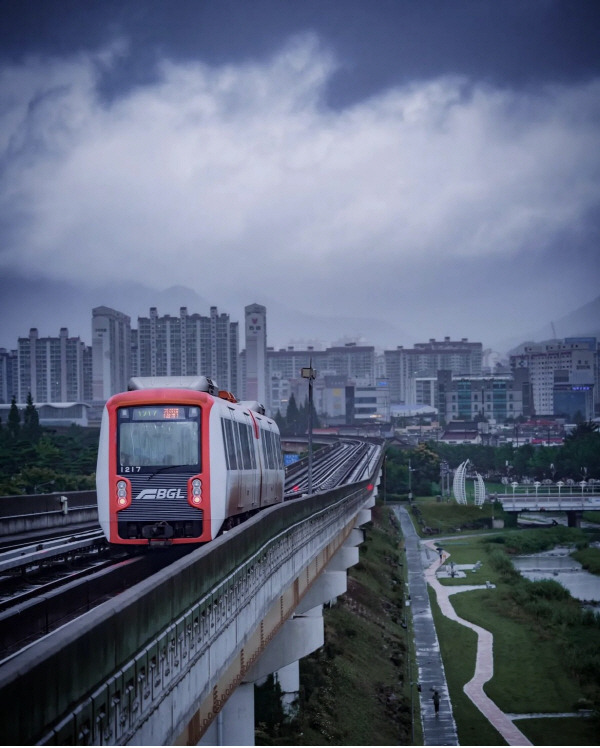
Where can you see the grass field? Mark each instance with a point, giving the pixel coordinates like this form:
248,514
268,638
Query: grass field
532,671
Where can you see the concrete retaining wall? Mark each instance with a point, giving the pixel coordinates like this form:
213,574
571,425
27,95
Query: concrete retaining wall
23,514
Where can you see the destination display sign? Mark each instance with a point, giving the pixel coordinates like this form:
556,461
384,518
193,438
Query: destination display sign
163,413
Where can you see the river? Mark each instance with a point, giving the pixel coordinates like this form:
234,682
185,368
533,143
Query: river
557,564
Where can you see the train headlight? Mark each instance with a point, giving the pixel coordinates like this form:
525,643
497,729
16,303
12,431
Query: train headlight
122,497
196,491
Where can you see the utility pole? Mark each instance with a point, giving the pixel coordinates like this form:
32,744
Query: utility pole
310,374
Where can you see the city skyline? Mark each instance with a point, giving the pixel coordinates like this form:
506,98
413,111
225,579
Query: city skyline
303,343
306,341
423,169
559,376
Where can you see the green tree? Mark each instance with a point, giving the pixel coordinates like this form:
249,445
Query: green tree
425,464
424,467
583,430
48,453
14,420
31,422
579,457
292,417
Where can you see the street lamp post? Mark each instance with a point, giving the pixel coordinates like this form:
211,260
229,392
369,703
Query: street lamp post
309,373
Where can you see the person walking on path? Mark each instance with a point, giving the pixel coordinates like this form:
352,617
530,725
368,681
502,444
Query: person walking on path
436,701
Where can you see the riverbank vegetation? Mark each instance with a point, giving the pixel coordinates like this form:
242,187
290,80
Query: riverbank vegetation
356,689
546,644
418,470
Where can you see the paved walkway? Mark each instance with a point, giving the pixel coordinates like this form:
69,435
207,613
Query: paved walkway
440,729
424,564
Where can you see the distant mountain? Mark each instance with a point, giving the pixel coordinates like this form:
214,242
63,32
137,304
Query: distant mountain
583,322
286,326
50,305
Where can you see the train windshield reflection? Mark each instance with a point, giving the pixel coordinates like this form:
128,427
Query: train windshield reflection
159,444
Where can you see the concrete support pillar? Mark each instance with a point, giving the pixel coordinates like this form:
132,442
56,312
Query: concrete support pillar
346,557
356,537
288,678
370,503
234,724
325,589
298,637
574,519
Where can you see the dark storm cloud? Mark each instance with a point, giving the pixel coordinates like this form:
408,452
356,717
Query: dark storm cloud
395,160
378,44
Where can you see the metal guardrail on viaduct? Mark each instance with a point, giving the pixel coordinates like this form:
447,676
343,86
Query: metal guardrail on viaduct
157,664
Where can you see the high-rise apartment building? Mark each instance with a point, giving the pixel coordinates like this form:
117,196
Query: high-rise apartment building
51,368
111,352
352,361
349,365
495,398
557,368
255,355
9,375
405,365
187,345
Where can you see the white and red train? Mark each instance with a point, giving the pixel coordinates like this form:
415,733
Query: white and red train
179,460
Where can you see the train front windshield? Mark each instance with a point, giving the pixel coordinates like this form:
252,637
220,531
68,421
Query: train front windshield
156,437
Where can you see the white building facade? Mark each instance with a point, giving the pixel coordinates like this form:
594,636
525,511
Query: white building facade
551,365
111,352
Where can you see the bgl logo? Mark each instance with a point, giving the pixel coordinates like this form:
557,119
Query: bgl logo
161,493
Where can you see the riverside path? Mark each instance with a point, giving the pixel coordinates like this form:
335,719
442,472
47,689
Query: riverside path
438,729
423,561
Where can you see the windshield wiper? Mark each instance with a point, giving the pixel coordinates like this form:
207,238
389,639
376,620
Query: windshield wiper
169,467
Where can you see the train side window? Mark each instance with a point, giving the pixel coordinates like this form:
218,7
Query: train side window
229,440
267,449
238,448
279,452
251,452
251,445
245,445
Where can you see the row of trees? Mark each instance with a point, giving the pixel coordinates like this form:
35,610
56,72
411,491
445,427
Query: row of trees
295,421
37,460
577,459
34,459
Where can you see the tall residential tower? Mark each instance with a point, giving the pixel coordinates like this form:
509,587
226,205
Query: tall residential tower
255,359
111,352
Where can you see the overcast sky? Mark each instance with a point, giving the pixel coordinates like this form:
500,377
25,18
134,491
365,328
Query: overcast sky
427,163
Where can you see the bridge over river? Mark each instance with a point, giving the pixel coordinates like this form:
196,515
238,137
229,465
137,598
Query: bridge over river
557,497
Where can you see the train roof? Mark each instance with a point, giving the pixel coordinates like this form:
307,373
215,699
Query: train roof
199,384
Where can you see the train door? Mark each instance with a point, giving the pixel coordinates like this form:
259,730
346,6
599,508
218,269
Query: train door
250,469
272,464
243,476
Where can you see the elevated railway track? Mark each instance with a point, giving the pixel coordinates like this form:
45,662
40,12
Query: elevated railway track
206,583
157,664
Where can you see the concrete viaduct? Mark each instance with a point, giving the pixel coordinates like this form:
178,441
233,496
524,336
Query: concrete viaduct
173,660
